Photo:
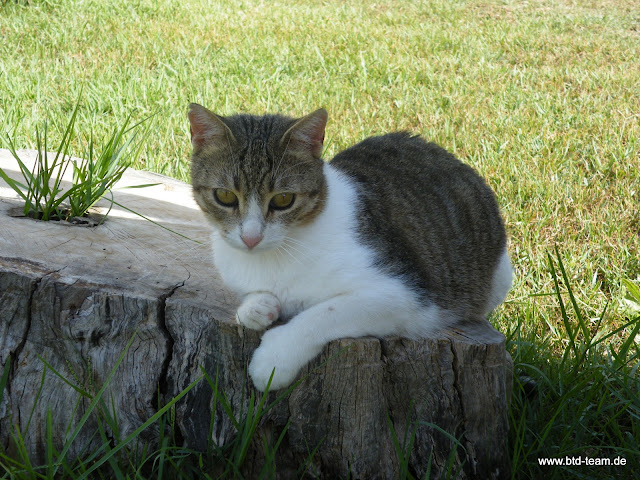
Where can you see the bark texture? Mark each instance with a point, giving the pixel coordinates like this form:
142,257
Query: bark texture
72,298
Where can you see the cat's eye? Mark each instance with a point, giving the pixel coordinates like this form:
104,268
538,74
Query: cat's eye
225,197
282,201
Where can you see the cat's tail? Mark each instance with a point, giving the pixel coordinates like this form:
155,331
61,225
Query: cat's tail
501,283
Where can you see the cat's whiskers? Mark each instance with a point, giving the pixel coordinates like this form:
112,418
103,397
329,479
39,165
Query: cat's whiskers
283,247
302,253
315,250
299,252
278,254
298,243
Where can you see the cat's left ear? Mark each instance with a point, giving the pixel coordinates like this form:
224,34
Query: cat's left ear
307,133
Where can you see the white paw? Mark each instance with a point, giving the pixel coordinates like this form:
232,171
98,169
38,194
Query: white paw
258,310
280,352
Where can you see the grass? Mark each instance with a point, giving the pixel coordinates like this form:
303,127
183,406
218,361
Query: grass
541,97
587,403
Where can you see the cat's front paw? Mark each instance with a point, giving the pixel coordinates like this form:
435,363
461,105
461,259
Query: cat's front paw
258,310
280,352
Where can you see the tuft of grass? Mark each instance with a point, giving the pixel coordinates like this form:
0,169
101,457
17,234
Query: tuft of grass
94,174
586,402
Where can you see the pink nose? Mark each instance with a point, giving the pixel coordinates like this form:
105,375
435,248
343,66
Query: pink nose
251,241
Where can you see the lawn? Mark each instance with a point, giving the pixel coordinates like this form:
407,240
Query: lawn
541,97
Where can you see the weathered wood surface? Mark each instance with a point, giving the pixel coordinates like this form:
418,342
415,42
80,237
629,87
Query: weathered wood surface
74,297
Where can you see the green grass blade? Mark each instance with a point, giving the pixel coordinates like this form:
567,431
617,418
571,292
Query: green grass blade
67,136
115,467
624,349
269,468
308,462
563,310
63,378
633,290
35,401
16,186
226,406
25,190
139,186
401,453
155,223
23,455
576,309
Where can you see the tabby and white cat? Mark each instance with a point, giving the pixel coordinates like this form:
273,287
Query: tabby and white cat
394,237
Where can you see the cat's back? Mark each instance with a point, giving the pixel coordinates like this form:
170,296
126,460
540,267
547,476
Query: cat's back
429,217
392,157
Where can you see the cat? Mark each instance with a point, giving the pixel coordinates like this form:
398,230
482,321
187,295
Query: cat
395,236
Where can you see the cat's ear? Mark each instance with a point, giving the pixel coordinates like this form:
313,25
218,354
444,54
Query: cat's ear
307,133
207,127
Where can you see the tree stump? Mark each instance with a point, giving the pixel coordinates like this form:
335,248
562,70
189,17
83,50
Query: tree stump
73,297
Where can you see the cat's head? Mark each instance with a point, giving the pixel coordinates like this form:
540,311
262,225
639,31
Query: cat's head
257,178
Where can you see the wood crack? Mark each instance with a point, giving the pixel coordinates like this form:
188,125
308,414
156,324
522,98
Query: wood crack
163,383
15,355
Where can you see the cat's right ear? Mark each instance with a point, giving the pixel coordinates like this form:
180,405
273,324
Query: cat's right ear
207,127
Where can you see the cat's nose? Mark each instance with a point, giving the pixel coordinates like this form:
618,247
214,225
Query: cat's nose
251,241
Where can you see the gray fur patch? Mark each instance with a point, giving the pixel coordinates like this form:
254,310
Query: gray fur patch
432,219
